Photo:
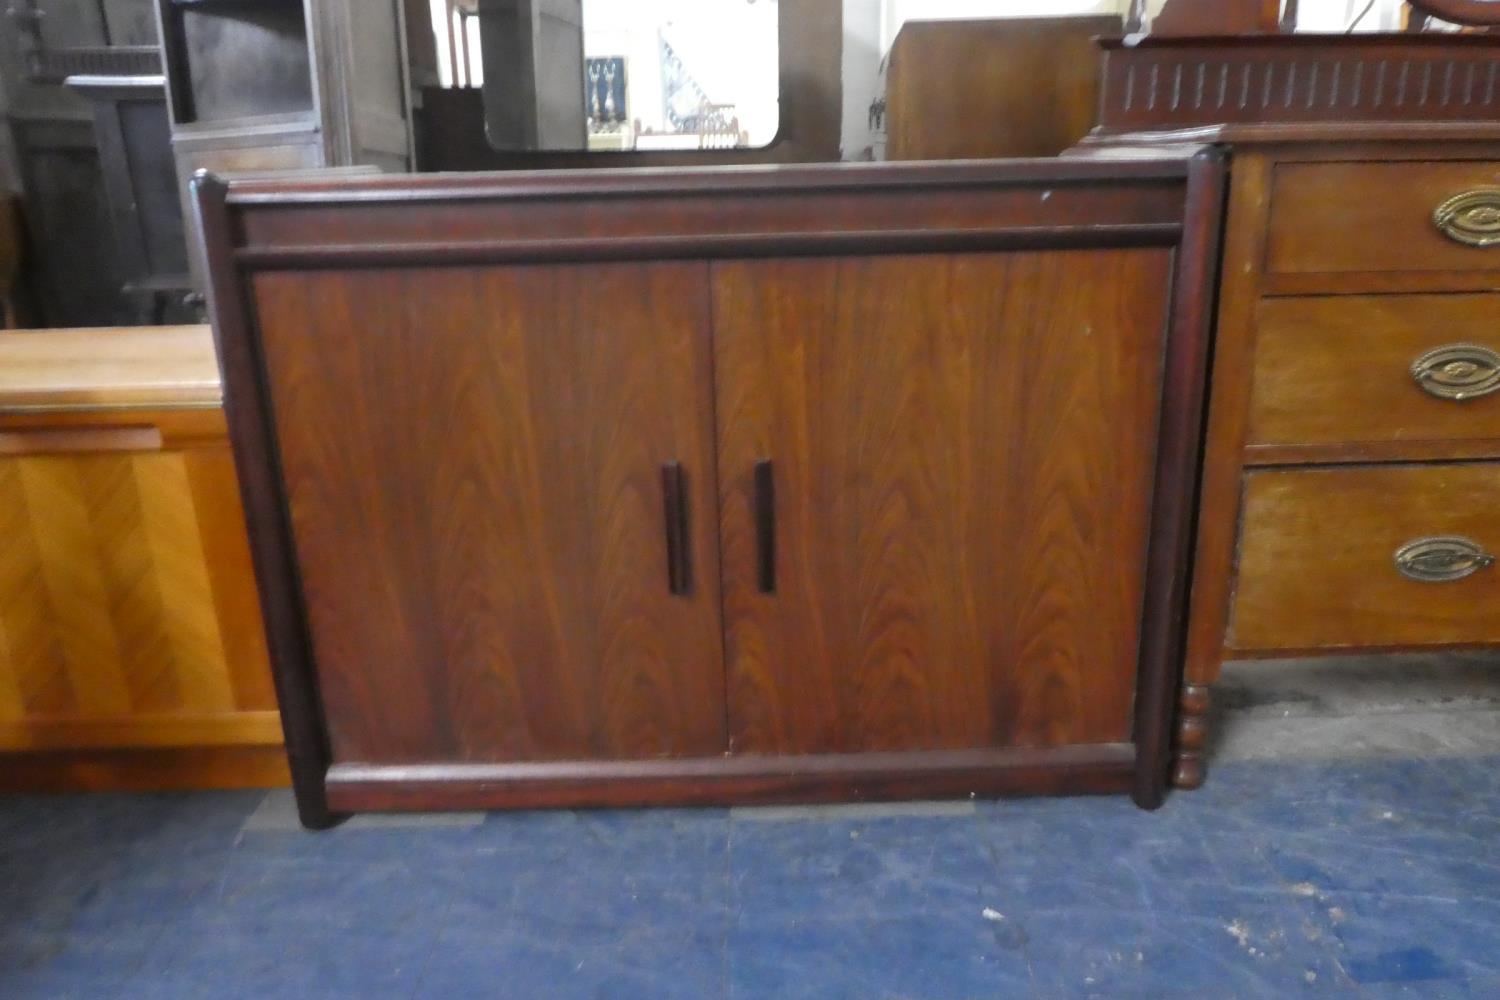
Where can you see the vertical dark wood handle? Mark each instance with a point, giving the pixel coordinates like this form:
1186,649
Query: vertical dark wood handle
674,500
765,525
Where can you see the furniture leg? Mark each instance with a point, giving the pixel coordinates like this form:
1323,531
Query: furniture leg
1189,769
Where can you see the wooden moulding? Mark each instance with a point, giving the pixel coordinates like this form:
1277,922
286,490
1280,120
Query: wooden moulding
1166,84
1172,203
1101,769
146,770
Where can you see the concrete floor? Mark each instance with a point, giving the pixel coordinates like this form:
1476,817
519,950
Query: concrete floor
1433,705
1347,845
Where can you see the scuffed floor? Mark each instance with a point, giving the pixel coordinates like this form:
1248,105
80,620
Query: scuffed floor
1347,845
1371,878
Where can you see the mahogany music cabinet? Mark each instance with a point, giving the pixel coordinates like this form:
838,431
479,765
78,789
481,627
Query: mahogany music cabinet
707,486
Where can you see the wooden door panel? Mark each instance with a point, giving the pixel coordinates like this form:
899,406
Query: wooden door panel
473,462
963,453
125,621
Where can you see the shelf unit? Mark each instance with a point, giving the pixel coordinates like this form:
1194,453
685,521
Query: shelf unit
267,85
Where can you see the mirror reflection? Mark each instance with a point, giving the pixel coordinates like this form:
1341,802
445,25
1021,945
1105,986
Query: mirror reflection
622,75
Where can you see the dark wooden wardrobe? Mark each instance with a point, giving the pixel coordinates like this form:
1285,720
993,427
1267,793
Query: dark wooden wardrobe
702,486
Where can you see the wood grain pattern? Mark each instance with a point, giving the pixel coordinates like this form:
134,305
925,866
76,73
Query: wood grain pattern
1214,17
472,462
1195,86
1337,372
108,367
1078,770
1336,217
486,214
115,631
404,357
1033,83
145,770
1228,414
1316,558
963,451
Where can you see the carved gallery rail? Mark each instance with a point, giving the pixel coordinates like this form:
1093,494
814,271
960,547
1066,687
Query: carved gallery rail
720,485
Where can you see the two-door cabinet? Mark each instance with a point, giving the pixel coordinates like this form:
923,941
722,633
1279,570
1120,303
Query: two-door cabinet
638,487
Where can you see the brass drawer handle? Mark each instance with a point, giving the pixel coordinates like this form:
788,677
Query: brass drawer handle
1458,372
1442,559
1472,218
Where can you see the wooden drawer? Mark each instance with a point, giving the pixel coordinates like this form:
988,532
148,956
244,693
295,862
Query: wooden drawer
1340,370
1346,217
1318,558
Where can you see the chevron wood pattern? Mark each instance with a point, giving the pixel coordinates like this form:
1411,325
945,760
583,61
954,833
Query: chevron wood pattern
128,615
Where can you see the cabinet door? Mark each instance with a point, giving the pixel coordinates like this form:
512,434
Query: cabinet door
474,463
961,454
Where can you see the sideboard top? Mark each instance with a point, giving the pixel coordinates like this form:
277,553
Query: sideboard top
754,179
108,368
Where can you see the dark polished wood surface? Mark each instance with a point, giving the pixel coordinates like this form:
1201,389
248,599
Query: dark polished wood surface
1013,86
1166,84
493,440
457,407
962,495
741,778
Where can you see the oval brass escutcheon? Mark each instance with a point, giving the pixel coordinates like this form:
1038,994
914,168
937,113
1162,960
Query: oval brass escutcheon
1458,372
1472,218
1442,559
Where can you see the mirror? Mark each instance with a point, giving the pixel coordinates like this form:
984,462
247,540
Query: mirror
627,75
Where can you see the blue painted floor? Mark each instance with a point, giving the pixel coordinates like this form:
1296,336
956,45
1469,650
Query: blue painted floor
1353,879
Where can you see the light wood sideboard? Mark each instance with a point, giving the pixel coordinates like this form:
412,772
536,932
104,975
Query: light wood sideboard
132,653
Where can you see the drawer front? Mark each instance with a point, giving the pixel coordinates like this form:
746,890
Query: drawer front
1319,558
1343,217
1381,368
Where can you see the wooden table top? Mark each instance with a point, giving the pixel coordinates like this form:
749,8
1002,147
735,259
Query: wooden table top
108,368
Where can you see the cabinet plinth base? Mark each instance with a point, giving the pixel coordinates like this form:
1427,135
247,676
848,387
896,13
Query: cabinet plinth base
1099,769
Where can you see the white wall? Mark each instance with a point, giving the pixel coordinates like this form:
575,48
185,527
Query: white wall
864,23
1337,15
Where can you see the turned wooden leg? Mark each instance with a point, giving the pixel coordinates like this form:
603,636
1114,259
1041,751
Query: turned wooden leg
1192,737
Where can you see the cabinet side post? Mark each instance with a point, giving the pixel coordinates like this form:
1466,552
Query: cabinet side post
247,411
1178,460
1219,503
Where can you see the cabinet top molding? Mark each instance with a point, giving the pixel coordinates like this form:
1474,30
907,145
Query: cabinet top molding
703,213
735,180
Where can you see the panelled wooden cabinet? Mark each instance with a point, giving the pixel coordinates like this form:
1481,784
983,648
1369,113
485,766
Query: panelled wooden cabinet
722,485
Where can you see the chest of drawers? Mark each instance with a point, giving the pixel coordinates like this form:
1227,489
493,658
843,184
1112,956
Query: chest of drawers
1352,467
